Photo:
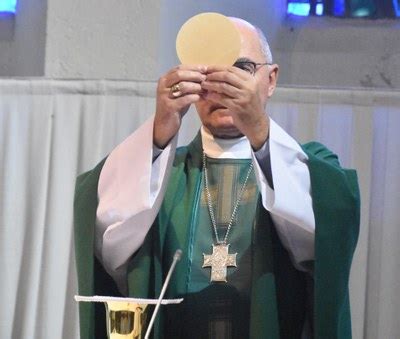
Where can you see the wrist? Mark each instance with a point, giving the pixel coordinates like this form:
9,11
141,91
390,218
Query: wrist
160,141
159,138
163,132
260,135
258,142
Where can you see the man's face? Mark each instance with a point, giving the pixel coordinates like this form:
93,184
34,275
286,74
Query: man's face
217,118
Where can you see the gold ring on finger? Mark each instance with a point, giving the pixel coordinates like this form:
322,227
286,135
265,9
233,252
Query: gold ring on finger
176,91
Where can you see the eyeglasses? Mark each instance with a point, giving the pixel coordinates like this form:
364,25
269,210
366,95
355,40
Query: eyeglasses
250,66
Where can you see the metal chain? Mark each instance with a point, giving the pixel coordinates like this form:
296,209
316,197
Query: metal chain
209,203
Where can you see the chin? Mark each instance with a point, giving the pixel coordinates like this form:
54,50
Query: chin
219,123
224,130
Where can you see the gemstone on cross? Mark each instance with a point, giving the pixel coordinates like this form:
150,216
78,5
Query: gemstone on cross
219,260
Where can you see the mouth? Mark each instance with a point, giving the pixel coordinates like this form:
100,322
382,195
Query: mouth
216,107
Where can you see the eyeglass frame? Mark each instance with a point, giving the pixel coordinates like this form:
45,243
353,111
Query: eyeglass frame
250,62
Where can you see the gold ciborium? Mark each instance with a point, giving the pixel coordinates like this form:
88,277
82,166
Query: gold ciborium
127,318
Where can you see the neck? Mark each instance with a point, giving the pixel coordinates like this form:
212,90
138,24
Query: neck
235,148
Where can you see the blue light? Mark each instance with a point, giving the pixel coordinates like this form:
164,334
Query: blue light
298,8
396,5
8,6
319,9
339,8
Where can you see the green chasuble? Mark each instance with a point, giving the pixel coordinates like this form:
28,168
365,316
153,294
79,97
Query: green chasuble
266,287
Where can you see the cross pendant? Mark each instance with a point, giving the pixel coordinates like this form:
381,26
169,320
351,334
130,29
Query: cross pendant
219,260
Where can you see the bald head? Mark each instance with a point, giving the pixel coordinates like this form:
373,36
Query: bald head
245,28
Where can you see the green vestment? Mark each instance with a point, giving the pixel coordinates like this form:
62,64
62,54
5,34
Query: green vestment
278,300
219,309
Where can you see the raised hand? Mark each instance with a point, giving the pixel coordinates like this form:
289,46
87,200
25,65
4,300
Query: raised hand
176,91
245,96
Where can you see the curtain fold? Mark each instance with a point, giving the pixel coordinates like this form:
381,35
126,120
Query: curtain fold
52,130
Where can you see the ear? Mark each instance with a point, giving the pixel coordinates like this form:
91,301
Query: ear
273,79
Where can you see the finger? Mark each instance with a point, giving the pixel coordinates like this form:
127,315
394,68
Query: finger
231,69
181,76
221,87
185,73
197,68
228,77
216,68
187,100
183,88
186,87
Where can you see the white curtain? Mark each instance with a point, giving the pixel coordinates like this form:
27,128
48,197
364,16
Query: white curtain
52,130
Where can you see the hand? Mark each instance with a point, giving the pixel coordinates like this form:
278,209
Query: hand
244,96
170,109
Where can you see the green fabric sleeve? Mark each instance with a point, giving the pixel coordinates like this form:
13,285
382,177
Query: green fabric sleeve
336,204
92,278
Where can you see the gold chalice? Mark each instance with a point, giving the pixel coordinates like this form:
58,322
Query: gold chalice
127,318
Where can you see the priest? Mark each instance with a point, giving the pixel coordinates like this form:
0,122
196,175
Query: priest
267,227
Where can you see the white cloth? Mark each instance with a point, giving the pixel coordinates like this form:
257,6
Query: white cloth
131,189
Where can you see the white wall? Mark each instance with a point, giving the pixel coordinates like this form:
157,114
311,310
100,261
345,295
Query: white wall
23,39
331,52
102,39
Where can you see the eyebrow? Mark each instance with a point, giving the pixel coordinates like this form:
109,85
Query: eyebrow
244,60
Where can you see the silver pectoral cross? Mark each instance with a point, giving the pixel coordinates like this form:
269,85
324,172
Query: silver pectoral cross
219,260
